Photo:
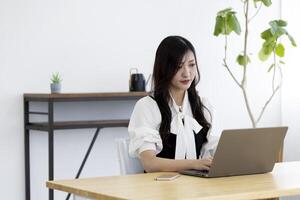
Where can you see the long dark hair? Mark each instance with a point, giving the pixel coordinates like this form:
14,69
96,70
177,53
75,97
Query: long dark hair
169,55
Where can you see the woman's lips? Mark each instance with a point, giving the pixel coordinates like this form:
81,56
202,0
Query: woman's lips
185,82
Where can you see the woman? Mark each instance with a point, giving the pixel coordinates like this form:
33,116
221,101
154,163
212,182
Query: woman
169,129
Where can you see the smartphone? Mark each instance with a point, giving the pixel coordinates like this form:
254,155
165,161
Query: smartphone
167,177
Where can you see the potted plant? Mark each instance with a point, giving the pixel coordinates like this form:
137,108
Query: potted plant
272,47
55,83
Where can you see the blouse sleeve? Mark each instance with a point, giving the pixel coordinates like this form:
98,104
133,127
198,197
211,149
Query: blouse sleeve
210,146
143,127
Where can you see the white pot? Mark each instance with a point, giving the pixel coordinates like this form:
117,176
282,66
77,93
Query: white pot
55,87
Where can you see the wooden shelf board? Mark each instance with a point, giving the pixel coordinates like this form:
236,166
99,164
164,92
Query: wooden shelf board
83,96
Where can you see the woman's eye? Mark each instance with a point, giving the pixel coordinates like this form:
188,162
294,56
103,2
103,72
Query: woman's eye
192,65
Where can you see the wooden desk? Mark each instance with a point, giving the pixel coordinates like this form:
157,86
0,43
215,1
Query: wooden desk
283,181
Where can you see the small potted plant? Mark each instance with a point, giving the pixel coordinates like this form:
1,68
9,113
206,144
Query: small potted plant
55,83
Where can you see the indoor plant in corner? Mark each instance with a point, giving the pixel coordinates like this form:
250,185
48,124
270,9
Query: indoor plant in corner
227,22
55,83
272,47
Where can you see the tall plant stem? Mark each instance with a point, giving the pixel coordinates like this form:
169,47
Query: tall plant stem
274,71
226,65
274,90
244,80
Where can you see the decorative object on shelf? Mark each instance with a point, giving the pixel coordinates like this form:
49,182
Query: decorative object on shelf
55,83
227,22
136,81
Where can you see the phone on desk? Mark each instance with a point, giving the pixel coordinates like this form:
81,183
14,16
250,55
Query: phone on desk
167,177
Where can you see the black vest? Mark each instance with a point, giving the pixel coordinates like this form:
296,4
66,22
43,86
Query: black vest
169,142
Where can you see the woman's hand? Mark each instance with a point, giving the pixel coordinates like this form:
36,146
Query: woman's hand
202,164
151,163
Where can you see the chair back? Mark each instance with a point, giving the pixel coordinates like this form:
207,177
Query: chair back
128,165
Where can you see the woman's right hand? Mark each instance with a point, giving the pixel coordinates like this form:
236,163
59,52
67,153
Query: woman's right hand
151,163
202,164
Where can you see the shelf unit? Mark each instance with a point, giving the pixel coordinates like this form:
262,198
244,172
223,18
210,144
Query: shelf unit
51,125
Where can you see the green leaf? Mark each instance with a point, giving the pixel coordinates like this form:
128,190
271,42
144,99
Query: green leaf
271,37
234,24
265,2
274,27
291,39
231,13
279,50
243,60
56,78
280,31
269,46
226,22
281,23
281,62
278,22
262,55
266,34
224,12
219,26
271,67
227,28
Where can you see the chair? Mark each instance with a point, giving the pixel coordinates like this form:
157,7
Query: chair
128,165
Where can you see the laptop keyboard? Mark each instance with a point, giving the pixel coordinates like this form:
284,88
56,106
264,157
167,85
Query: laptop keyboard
195,172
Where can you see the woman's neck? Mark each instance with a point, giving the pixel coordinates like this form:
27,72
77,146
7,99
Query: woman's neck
178,96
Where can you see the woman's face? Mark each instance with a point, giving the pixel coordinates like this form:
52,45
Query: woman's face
186,73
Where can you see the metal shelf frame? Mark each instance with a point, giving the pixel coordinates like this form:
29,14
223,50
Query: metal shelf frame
51,125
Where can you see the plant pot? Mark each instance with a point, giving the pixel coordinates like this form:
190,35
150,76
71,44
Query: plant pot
55,87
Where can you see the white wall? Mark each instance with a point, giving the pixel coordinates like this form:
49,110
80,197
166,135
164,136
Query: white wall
290,95
93,44
290,92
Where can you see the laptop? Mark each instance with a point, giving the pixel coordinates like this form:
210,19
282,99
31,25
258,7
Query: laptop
244,152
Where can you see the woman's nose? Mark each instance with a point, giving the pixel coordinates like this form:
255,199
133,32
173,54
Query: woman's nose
186,71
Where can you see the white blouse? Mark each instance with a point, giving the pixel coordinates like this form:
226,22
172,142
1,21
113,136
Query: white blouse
145,123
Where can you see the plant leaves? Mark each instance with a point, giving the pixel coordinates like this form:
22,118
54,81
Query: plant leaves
281,62
262,55
267,3
266,34
280,31
226,22
281,23
291,39
274,27
56,78
279,50
219,26
269,46
234,24
227,28
243,60
224,12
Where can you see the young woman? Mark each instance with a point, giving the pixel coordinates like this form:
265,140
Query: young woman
169,129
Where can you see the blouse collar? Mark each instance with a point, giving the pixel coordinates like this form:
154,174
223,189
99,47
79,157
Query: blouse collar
184,106
185,142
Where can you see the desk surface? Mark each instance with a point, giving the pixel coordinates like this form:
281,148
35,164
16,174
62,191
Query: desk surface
283,181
